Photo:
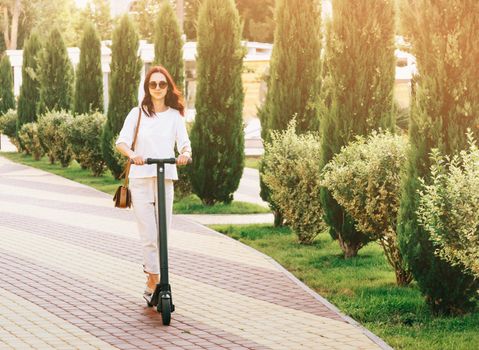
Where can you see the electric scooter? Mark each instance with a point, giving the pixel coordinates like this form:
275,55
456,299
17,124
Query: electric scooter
161,297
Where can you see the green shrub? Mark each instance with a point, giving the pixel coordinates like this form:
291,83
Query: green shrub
8,123
183,186
291,164
89,76
123,89
217,137
449,207
53,131
7,99
445,103
84,136
358,93
55,75
295,81
30,140
169,45
29,91
364,178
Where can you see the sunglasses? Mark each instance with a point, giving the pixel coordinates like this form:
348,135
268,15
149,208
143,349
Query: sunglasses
155,84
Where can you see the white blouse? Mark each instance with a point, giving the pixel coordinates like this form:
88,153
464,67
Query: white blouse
156,139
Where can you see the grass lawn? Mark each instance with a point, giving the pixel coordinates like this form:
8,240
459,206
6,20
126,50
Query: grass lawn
363,288
106,183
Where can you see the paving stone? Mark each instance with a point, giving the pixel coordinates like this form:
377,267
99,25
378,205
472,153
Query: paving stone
78,261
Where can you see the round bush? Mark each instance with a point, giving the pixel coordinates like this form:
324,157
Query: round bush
449,207
53,131
365,179
291,171
30,140
84,136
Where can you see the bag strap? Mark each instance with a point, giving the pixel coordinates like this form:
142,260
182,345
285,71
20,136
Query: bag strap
126,172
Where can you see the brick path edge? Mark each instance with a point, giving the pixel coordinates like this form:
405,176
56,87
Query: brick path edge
381,343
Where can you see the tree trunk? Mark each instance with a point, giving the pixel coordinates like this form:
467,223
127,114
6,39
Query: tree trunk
180,13
278,218
350,250
14,30
6,21
10,33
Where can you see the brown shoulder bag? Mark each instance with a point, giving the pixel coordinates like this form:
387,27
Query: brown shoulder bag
122,197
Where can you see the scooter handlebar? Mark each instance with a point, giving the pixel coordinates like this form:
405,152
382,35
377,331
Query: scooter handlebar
162,161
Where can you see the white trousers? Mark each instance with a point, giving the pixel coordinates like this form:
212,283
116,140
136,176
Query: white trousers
144,198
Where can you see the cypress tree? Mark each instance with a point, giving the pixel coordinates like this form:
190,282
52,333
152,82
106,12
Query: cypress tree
29,91
7,99
55,73
169,45
445,105
360,73
217,136
89,81
294,82
123,88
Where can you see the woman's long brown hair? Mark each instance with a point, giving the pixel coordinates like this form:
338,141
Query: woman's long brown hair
173,98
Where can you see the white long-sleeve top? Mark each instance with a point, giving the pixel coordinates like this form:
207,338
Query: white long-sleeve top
156,139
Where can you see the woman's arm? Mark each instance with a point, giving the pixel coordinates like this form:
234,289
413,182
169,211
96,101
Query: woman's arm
127,152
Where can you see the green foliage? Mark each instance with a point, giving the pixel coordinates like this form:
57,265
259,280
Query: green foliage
55,74
84,136
30,140
53,130
445,105
169,45
183,186
258,19
191,16
294,83
89,80
43,16
217,137
291,172
29,91
449,207
8,123
294,77
123,90
256,16
144,13
7,100
358,98
98,13
364,178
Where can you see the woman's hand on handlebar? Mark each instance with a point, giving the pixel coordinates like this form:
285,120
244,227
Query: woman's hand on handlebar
137,160
182,159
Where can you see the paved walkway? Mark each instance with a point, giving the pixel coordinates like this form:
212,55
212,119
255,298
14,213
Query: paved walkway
71,278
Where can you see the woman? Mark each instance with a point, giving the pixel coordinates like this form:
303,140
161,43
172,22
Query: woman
161,125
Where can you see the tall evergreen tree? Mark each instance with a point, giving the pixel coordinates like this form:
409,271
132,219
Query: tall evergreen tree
55,73
191,17
445,105
123,89
360,71
29,91
168,44
89,80
217,136
7,99
294,82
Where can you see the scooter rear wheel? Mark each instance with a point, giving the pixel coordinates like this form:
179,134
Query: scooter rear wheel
164,307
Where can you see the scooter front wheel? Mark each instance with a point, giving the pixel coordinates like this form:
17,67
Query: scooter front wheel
164,307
